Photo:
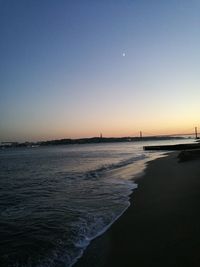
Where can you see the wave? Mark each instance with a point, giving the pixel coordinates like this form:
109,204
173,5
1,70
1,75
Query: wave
95,173
83,243
93,223
102,224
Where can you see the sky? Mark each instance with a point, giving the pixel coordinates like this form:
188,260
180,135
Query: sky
78,68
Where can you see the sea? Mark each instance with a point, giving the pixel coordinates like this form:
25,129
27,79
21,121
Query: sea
54,200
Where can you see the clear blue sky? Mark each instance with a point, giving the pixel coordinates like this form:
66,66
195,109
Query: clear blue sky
73,69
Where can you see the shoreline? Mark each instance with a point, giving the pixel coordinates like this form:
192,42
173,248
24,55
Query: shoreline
161,225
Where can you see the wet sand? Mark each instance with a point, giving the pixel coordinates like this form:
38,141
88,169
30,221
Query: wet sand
162,225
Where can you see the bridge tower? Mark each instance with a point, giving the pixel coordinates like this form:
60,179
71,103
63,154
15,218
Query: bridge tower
196,136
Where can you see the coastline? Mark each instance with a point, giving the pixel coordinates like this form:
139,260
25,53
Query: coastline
161,225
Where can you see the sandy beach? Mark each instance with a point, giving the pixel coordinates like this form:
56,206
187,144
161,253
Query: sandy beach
162,225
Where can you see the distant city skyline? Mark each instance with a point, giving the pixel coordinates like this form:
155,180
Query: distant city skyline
73,69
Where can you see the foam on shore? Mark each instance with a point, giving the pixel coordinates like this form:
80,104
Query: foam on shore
161,226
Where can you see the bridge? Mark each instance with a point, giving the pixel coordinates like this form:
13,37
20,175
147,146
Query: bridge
193,132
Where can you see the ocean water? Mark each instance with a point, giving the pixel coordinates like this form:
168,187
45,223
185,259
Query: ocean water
55,200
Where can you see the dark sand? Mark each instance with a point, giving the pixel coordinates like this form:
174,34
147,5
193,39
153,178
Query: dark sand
162,225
